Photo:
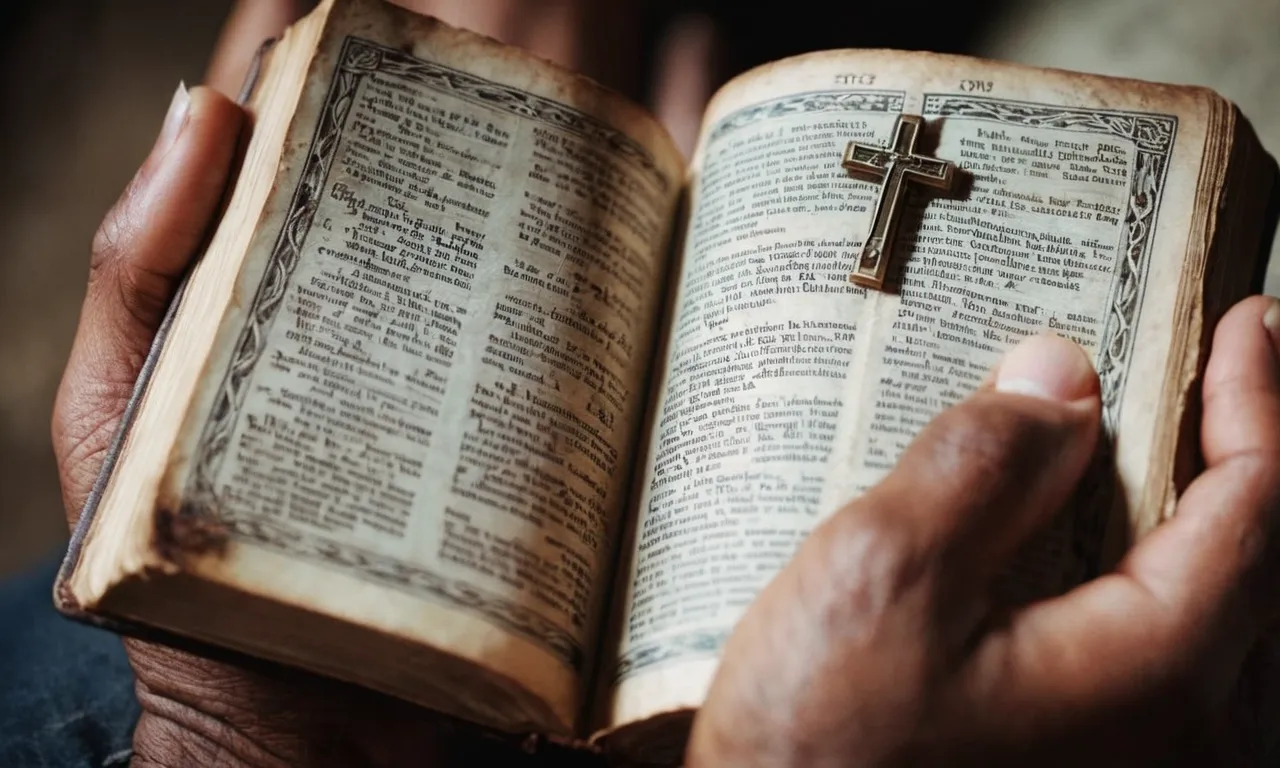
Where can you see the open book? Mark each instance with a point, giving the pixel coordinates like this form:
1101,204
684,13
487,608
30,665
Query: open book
483,397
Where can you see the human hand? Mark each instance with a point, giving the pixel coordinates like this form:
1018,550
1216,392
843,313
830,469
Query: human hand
880,643
197,711
598,39
602,40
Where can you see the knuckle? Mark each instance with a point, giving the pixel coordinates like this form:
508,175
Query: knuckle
87,408
169,677
107,245
1235,386
980,447
865,561
1247,313
1260,469
81,439
141,293
1257,476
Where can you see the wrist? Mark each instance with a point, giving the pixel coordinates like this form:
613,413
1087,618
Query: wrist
170,735
196,711
158,743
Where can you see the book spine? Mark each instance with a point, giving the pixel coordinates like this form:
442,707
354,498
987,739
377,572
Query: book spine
63,600
1270,222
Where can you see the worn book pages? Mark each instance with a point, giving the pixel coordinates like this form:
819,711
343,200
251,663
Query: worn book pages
416,414
788,390
394,421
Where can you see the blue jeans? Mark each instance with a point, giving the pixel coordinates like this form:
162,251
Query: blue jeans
66,691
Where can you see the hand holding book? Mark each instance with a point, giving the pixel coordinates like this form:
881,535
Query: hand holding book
197,710
881,643
804,673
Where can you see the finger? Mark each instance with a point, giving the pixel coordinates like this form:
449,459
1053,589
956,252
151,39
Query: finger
893,584
599,39
250,23
686,63
1159,643
142,249
985,474
149,236
1216,564
496,18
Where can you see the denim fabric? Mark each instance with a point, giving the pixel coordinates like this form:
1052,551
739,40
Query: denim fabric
66,691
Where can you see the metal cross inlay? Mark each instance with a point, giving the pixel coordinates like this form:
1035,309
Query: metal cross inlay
893,167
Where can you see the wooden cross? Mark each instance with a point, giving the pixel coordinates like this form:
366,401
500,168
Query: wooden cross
893,166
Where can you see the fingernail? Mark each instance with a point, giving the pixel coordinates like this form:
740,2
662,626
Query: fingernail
1049,367
174,119
1271,321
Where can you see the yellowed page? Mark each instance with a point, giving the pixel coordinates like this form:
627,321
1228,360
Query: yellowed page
789,390
418,413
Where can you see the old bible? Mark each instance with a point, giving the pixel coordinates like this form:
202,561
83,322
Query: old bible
481,395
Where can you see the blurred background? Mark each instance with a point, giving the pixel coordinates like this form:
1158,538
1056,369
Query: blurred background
84,85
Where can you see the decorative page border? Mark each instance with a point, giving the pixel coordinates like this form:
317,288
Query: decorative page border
365,57
358,59
1152,134
367,565
813,101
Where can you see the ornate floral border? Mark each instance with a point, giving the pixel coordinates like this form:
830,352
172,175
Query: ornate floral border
388,571
364,57
705,642
814,101
1152,134
358,59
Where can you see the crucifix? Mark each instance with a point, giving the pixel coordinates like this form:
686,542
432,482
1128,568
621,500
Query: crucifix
893,167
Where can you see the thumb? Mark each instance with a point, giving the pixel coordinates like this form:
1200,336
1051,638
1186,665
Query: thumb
139,255
838,653
987,473
684,77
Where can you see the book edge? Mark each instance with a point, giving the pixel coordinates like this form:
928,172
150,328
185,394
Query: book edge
64,599
945,59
